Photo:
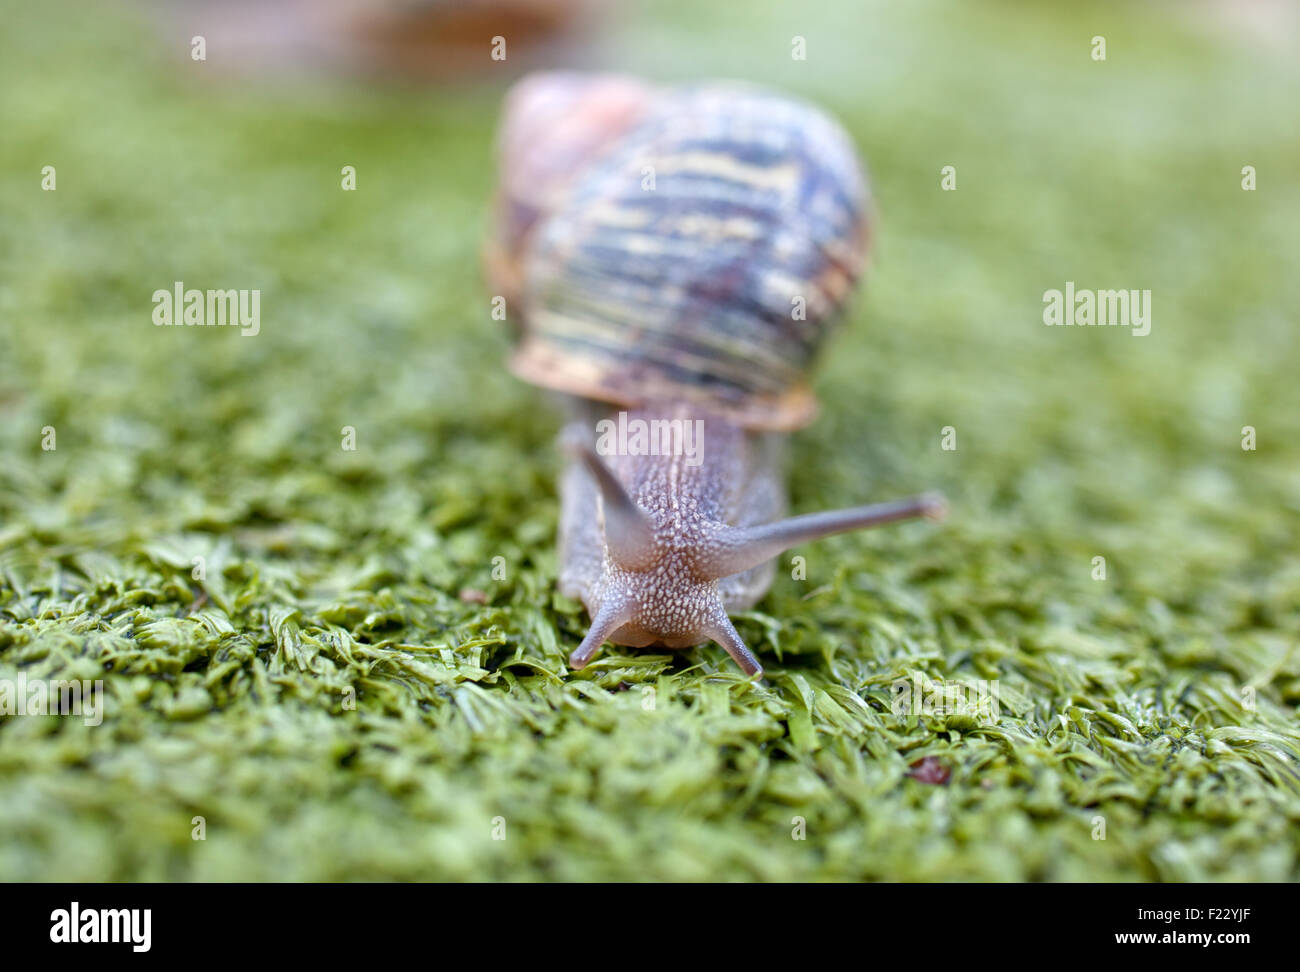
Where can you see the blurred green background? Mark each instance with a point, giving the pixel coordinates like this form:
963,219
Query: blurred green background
333,574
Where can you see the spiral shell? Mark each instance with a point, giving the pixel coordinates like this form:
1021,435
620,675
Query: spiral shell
699,251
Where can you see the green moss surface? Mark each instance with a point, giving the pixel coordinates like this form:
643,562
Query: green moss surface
334,709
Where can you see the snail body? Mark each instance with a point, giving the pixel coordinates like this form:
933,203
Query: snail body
678,257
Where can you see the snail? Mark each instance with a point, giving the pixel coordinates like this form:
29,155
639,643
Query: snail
677,256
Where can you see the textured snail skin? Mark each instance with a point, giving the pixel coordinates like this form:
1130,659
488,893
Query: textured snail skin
675,302
661,549
668,598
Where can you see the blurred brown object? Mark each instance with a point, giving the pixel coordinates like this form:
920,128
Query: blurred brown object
441,38
928,769
434,40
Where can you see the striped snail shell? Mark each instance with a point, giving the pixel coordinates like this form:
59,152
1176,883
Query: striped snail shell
680,253
692,243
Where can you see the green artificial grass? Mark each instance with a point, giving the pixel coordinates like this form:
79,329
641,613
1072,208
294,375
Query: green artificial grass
334,708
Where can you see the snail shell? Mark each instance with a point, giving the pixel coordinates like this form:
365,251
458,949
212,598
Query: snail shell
555,125
684,244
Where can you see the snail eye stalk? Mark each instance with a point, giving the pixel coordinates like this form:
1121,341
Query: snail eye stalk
629,535
740,548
